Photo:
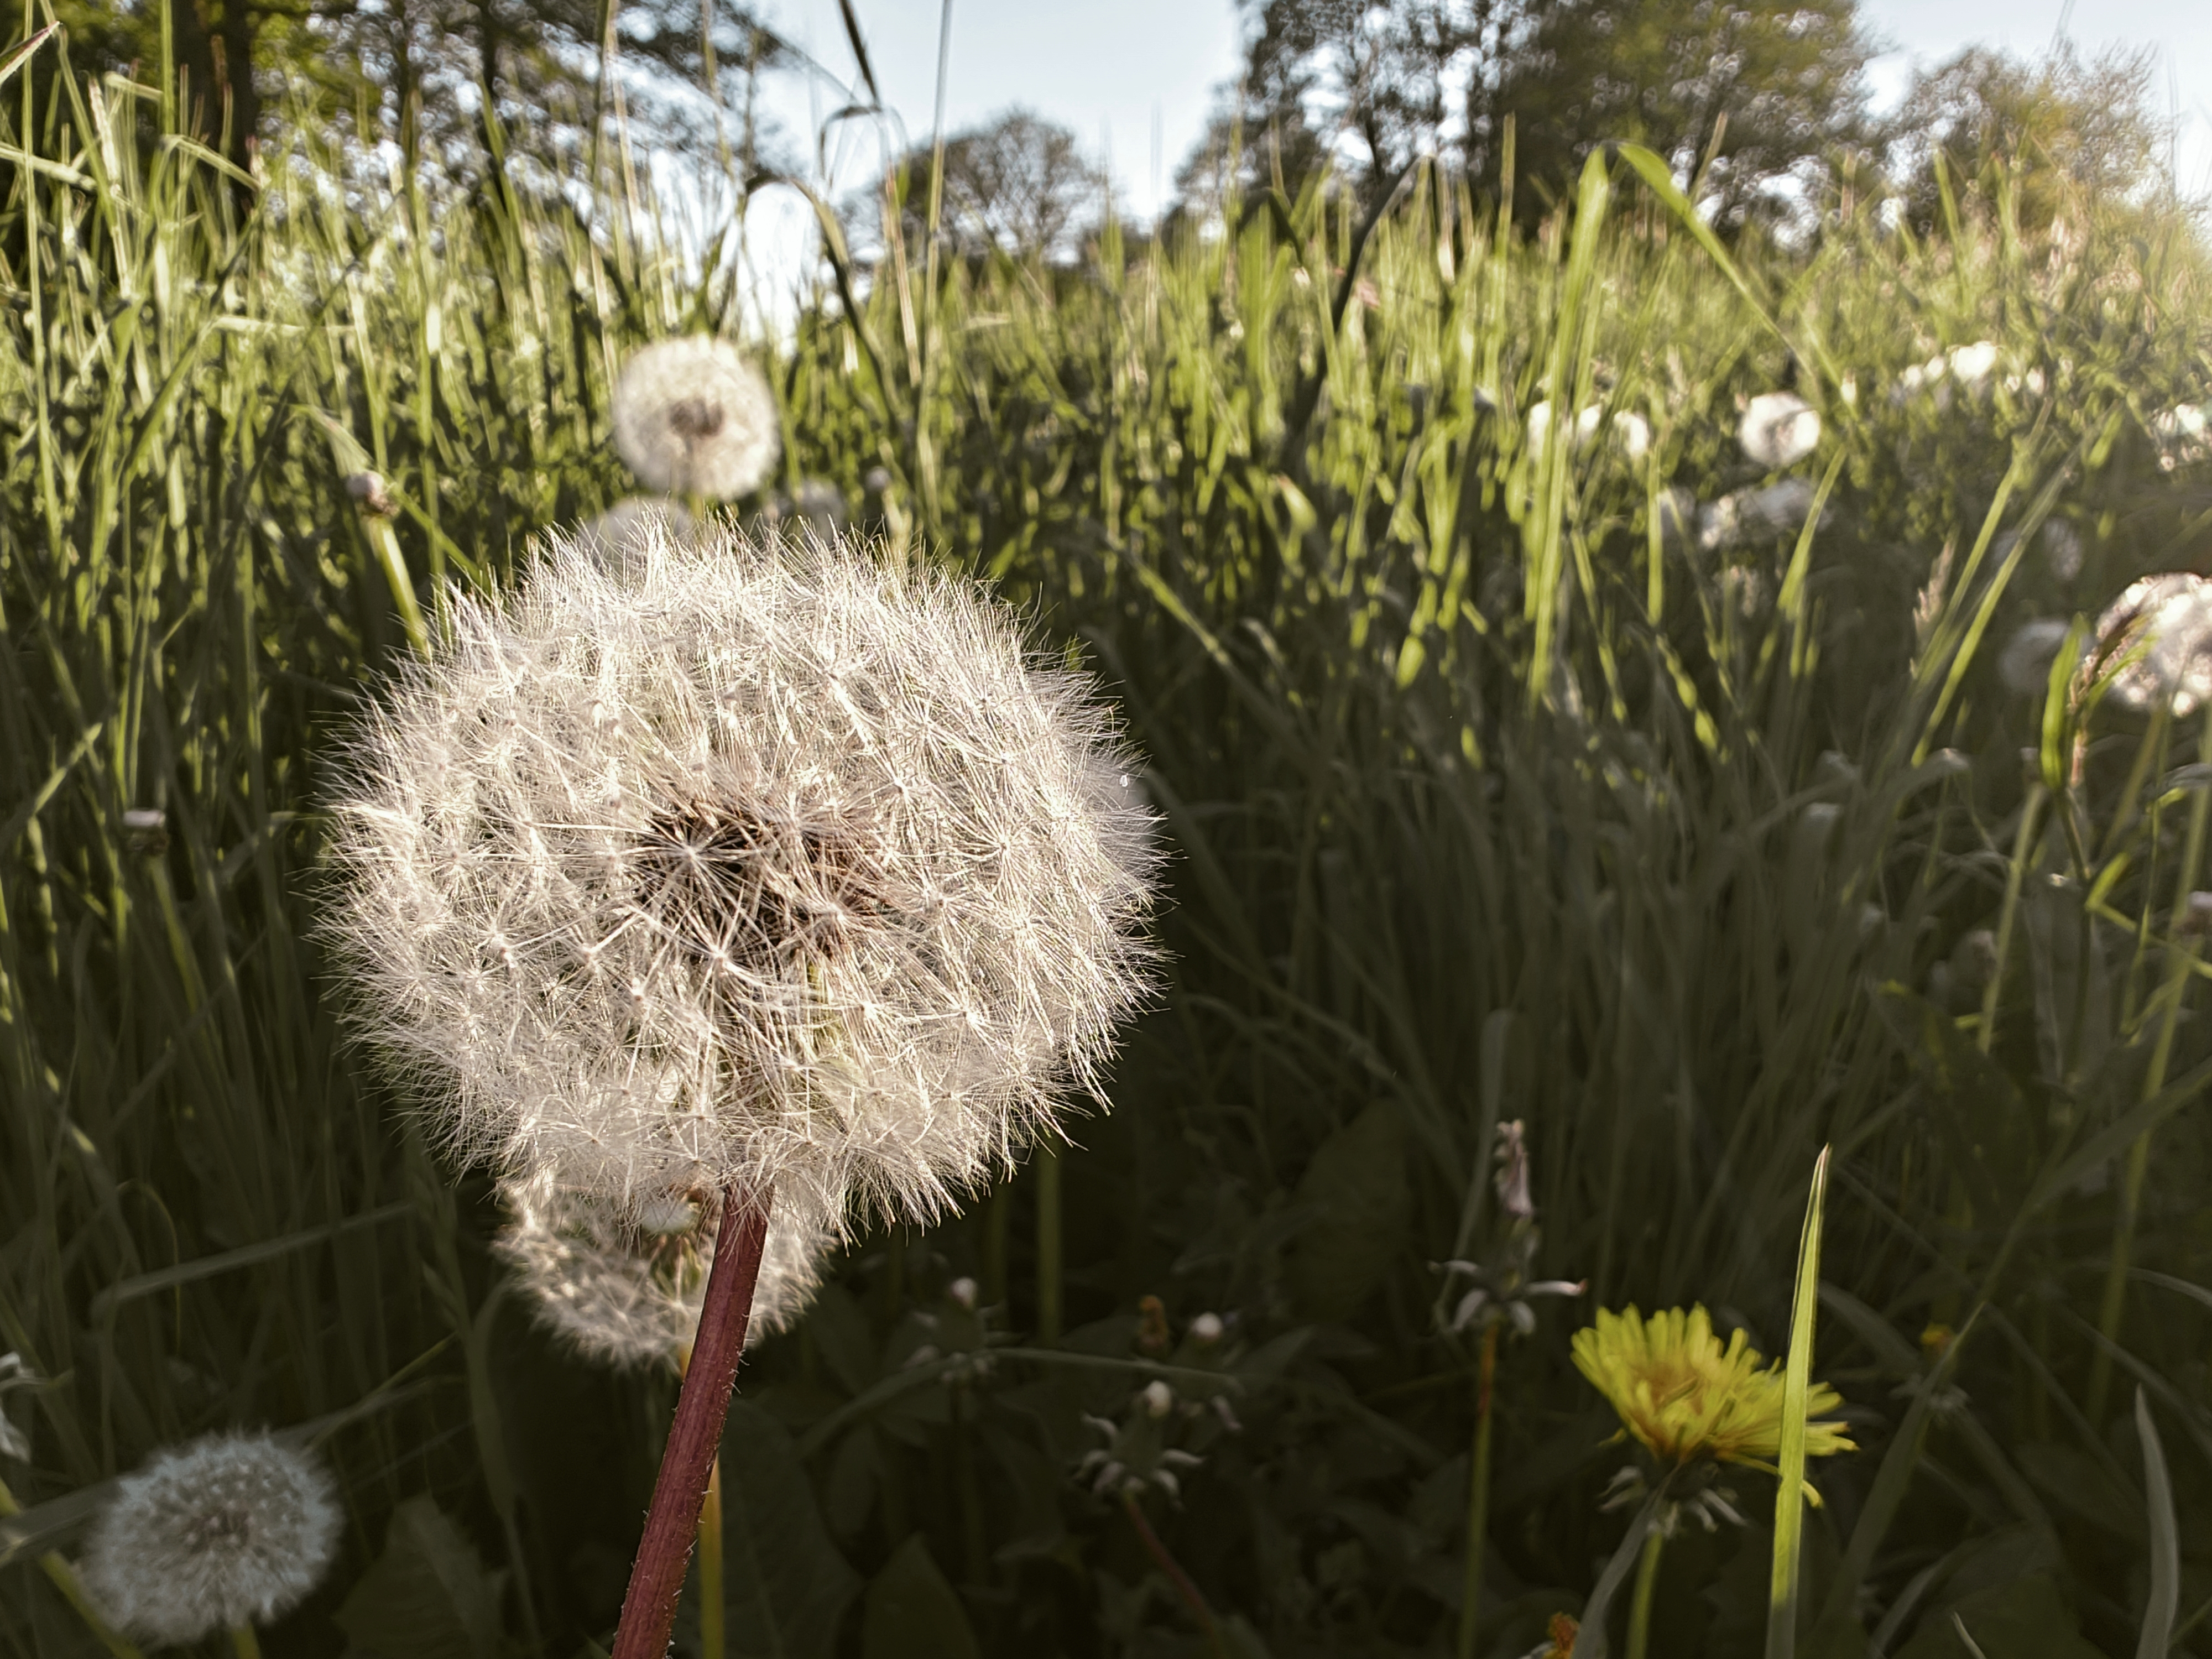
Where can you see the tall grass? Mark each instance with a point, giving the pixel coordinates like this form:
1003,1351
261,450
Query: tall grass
1492,795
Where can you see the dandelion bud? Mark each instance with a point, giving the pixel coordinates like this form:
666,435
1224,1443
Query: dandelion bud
965,1292
1158,1398
694,417
1206,1327
228,1530
368,491
1513,1195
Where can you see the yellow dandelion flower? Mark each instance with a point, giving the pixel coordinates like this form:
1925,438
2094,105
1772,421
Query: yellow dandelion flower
1685,1396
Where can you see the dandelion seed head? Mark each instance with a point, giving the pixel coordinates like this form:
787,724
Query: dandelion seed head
769,865
1778,429
228,1530
694,417
624,1284
2167,620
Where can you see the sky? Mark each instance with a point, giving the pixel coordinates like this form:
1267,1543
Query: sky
1135,79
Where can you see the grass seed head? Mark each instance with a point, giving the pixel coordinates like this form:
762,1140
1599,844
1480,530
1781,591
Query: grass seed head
693,416
770,865
228,1530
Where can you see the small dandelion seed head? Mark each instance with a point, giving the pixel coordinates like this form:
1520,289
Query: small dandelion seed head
870,899
2165,622
1158,1398
624,1284
1206,1327
694,417
228,1530
1778,429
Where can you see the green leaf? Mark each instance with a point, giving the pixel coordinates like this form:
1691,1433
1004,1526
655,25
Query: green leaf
787,1585
1357,1181
911,1613
2027,1618
429,1597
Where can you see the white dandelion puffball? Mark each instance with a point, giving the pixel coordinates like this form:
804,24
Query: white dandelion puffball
772,866
1630,430
228,1530
694,417
623,1283
2170,617
1779,430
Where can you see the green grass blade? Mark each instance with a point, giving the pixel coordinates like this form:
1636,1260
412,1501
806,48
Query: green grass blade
2164,1540
1797,1381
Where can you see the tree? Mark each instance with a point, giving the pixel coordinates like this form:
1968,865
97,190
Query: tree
2060,128
1769,90
1343,85
432,68
1768,86
1016,182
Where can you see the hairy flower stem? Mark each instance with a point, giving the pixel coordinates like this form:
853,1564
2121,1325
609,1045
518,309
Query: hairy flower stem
63,1577
245,1642
713,1612
1182,1580
1639,1606
1478,1497
679,1495
1047,1243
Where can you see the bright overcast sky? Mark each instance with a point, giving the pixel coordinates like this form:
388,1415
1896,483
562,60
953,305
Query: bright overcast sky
1135,78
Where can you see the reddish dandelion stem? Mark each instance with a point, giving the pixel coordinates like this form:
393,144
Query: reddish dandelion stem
695,1437
1192,1596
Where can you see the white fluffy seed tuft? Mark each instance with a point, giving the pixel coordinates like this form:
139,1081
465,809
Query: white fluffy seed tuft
228,1530
694,417
771,865
624,1284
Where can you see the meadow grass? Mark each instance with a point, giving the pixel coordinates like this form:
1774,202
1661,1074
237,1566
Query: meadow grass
1492,793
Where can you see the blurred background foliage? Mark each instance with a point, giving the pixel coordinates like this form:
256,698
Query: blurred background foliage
1576,783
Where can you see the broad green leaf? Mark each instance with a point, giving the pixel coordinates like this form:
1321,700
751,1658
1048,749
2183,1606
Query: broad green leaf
787,1586
911,1613
429,1597
1357,1181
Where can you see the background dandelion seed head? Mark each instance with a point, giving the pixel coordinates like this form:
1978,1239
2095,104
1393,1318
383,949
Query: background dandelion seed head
624,1284
694,417
230,1529
771,863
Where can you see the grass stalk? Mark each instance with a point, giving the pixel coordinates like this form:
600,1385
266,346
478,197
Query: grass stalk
1790,1491
2181,950
1478,1497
